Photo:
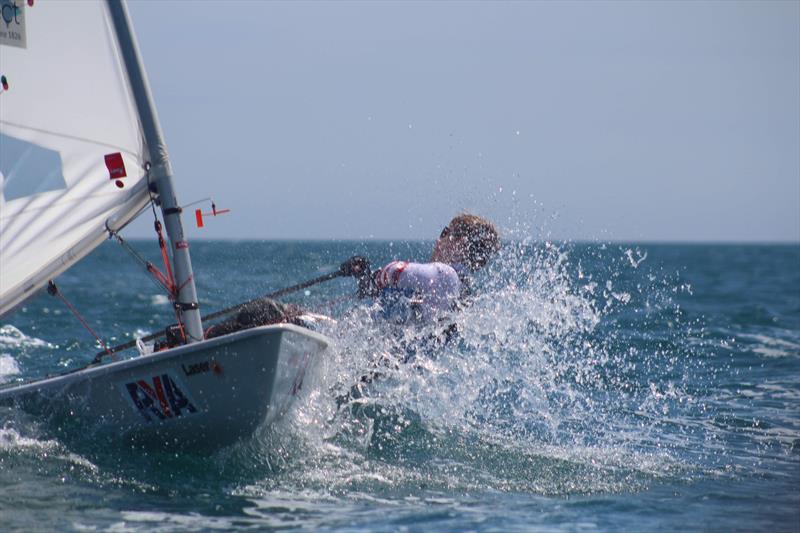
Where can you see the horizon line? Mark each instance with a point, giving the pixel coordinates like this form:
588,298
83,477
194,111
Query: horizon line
743,242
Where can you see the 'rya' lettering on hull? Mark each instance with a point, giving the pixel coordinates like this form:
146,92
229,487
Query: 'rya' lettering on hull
160,398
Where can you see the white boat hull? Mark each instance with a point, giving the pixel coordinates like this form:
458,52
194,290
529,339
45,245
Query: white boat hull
199,396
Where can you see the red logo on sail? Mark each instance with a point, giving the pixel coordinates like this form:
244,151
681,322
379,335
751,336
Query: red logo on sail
116,168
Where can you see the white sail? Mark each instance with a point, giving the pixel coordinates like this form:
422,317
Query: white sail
71,146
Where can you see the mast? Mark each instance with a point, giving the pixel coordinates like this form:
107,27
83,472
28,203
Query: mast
161,171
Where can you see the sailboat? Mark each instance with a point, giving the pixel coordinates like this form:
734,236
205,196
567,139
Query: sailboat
81,155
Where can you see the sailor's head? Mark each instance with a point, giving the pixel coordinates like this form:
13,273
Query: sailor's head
467,239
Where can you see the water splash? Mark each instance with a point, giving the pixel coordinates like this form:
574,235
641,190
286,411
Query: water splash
546,389
8,367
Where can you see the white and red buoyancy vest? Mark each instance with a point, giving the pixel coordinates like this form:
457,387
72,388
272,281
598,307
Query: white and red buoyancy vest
432,288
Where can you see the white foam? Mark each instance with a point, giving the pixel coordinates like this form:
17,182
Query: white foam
772,347
161,521
11,337
10,439
8,366
159,299
771,352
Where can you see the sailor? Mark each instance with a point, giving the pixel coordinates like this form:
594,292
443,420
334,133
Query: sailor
260,312
411,293
427,292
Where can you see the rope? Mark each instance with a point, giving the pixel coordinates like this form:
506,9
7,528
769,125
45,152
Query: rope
170,279
53,290
167,281
157,277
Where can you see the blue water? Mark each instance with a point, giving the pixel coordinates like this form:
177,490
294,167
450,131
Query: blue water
594,387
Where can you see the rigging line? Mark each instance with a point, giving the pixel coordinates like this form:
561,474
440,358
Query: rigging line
136,255
156,276
169,280
179,289
180,325
165,258
53,290
200,201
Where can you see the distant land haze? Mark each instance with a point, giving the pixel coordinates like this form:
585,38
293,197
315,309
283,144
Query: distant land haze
645,121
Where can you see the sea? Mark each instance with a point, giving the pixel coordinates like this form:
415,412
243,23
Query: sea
591,387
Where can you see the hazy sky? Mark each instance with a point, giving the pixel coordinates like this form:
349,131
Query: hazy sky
613,120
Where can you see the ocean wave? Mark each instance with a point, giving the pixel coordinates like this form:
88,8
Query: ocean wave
773,352
11,337
770,346
12,440
164,521
48,456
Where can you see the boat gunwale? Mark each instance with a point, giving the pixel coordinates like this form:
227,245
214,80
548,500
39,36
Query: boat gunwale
12,389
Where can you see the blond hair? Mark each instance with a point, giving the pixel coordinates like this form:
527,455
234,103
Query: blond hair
482,238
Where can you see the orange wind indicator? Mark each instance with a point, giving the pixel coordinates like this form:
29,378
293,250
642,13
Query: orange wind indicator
198,214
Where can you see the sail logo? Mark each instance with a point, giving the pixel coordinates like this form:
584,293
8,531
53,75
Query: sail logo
116,168
12,30
160,397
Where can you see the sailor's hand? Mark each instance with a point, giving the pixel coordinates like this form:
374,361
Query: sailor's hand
356,266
